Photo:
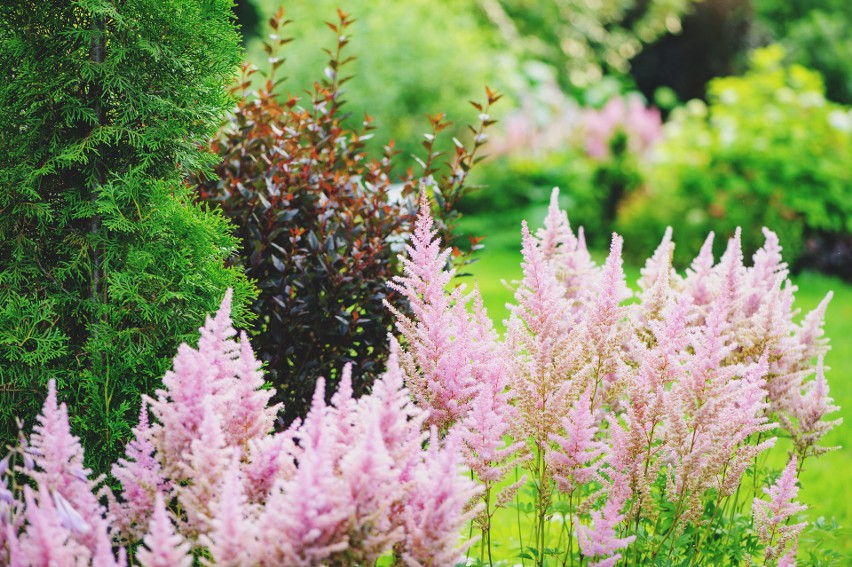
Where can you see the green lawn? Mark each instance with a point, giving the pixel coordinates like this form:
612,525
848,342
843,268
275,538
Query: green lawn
826,482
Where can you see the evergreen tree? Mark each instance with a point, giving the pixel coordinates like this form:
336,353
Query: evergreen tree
105,264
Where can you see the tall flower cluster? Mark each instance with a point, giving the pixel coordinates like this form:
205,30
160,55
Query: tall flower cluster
454,365
54,516
772,518
634,415
207,477
636,424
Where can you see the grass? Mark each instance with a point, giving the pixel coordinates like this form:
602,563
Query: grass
826,481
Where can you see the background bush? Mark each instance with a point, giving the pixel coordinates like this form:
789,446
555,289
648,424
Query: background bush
768,150
105,265
814,32
321,223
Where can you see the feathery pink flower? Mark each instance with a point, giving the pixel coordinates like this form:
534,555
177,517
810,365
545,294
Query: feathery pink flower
810,412
573,463
444,345
232,538
304,520
163,546
771,518
141,480
46,541
434,512
567,254
204,468
600,540
543,348
642,126
58,459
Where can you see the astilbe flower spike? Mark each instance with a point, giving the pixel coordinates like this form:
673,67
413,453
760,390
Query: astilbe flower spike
47,540
443,344
543,349
600,540
232,539
604,333
205,467
572,263
810,412
573,461
305,517
58,467
163,546
433,516
771,519
141,480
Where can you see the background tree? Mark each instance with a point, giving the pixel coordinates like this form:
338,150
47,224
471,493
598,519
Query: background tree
105,265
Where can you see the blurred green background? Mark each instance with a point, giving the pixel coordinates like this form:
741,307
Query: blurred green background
700,115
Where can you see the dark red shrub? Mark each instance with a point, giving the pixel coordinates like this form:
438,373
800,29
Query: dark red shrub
321,223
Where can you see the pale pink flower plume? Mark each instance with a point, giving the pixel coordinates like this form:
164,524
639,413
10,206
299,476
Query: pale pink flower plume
574,461
163,546
232,539
444,346
772,518
141,480
434,515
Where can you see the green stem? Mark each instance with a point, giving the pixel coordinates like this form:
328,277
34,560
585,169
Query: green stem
518,514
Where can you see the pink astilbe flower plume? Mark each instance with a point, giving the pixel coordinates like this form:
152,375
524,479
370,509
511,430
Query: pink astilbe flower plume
601,540
642,126
434,514
103,556
249,415
221,373
771,519
58,469
577,449
810,414
699,276
400,420
543,349
270,457
47,539
443,343
605,333
163,546
374,490
658,281
233,536
304,520
204,468
140,476
566,253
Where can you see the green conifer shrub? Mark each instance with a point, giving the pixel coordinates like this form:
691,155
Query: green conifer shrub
321,223
105,263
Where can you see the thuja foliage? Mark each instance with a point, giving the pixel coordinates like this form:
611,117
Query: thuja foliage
105,265
320,222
